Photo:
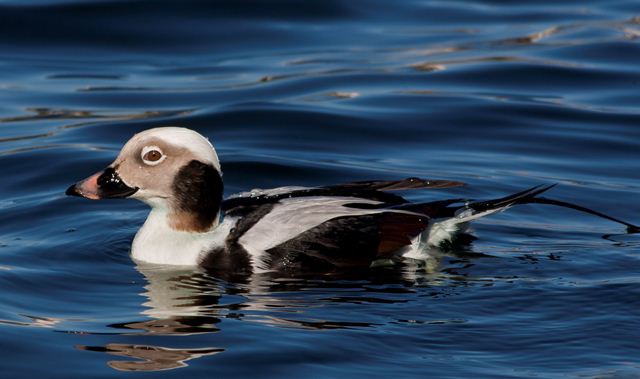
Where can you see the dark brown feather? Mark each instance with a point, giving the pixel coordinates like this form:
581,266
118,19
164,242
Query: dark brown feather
350,241
198,192
397,230
401,185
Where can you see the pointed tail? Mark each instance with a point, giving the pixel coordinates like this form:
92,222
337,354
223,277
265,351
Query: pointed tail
498,205
445,231
459,217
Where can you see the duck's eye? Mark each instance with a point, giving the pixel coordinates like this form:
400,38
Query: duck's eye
152,155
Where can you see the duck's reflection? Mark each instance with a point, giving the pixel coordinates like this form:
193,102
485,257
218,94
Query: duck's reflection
151,358
184,302
179,302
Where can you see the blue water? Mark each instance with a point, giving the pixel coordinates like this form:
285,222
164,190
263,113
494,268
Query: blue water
498,94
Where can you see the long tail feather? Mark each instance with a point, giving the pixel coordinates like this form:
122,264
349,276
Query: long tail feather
543,200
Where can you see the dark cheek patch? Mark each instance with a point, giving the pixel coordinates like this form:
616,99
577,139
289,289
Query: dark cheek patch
198,192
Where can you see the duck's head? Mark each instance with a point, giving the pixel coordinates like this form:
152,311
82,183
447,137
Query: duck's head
172,169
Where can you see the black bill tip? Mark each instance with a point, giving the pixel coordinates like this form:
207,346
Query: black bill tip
73,191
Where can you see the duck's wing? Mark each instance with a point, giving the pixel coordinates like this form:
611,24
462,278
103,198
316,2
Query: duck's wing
322,232
343,225
247,202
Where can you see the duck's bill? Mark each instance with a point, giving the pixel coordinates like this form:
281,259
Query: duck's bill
105,184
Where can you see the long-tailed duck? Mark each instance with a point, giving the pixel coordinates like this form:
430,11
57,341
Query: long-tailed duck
176,171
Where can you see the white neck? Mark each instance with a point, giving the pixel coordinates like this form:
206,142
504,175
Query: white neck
157,242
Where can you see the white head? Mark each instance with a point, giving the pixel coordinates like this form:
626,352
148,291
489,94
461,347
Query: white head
171,168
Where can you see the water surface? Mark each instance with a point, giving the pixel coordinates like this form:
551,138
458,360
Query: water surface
499,95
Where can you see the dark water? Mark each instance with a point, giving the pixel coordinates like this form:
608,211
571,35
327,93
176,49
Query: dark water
501,95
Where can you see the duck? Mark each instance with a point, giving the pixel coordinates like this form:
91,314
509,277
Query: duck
176,171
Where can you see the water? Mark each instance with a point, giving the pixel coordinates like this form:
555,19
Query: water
500,95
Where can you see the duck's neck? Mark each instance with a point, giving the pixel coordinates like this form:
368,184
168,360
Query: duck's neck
181,227
163,239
